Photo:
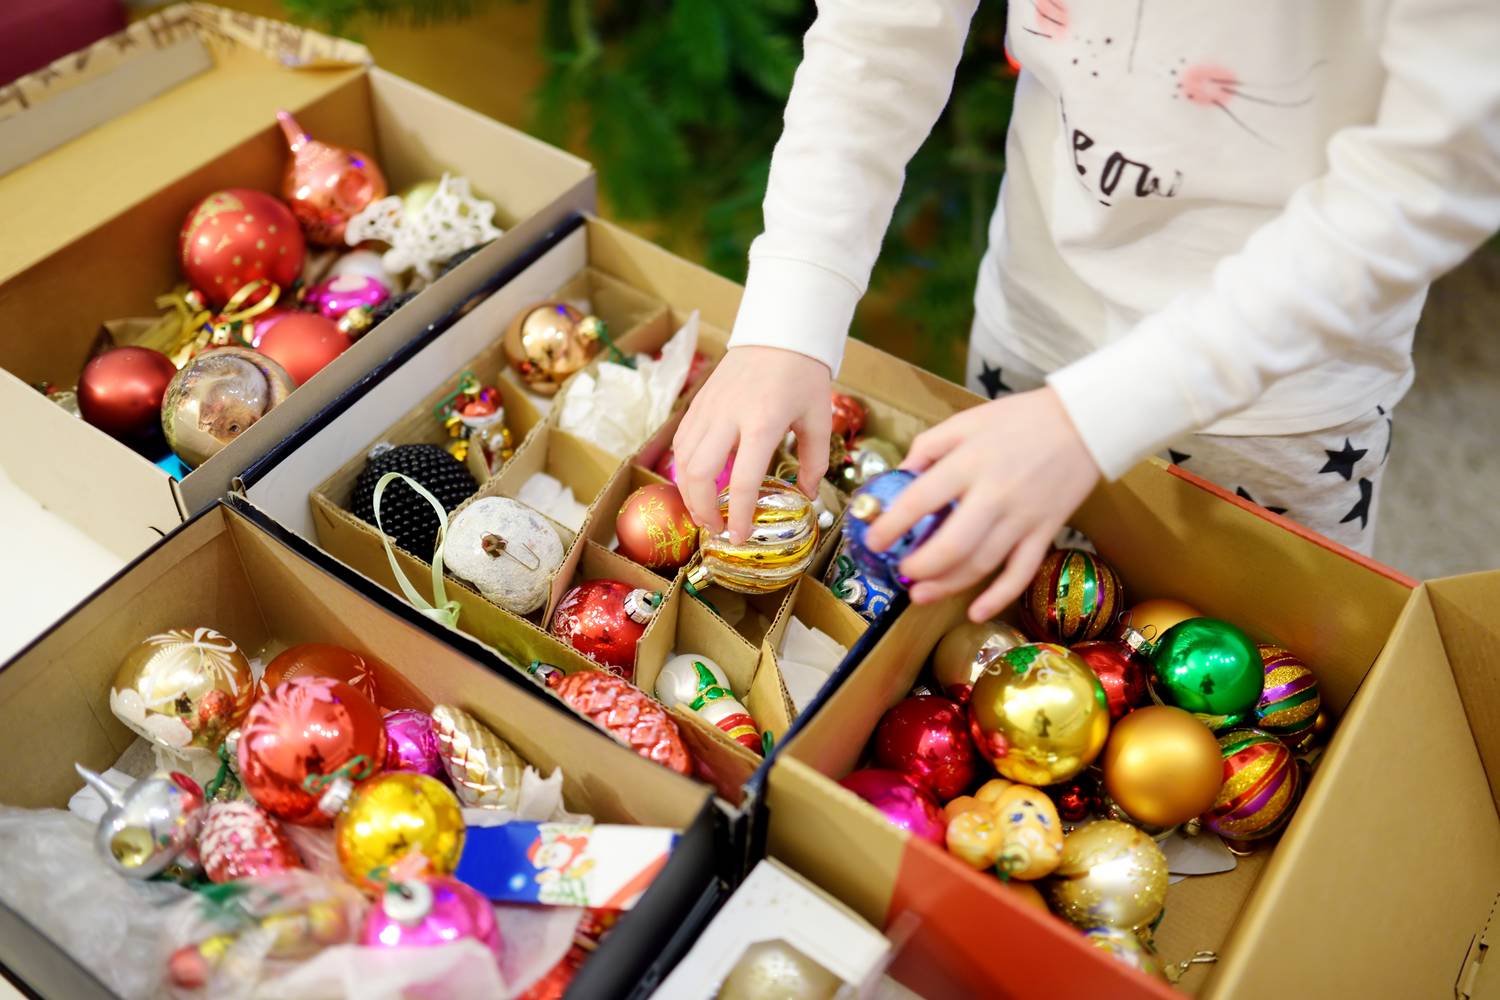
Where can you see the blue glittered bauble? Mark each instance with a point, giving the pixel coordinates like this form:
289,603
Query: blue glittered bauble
868,593
868,503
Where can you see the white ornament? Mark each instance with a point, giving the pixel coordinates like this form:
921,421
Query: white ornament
447,223
700,685
506,550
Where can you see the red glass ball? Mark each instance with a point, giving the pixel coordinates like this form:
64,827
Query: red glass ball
927,739
655,528
237,236
595,619
1122,676
303,343
321,659
120,391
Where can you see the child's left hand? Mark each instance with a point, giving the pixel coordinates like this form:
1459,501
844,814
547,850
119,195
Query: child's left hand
1018,469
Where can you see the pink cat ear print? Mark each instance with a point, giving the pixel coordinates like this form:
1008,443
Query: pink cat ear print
1208,83
1050,18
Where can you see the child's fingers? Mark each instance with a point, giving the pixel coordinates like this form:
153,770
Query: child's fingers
697,470
976,561
955,542
1019,570
750,462
813,432
932,444
930,491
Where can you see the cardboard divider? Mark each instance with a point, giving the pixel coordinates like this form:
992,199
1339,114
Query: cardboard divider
582,467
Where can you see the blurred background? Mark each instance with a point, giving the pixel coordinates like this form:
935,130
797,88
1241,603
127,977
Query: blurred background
678,104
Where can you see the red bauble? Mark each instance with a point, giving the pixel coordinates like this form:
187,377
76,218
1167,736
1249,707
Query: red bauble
326,185
319,659
1122,675
628,714
237,236
307,726
848,416
303,343
1076,799
120,391
927,739
655,528
604,620
242,840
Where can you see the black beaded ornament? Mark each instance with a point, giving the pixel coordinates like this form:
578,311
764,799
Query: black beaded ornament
408,517
386,309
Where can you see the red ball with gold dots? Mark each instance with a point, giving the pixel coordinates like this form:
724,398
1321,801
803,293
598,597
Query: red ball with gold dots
237,236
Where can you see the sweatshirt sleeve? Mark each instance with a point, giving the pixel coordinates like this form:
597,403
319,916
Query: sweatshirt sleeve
875,76
1404,200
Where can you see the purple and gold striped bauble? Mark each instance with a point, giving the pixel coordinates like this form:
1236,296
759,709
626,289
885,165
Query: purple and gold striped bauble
1261,784
1073,597
1289,703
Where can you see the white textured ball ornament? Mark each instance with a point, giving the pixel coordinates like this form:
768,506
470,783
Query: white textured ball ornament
506,550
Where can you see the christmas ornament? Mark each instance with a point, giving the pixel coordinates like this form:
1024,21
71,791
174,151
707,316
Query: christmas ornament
302,736
927,739
303,343
1111,875
1289,701
428,912
868,593
363,264
966,651
975,836
183,688
216,396
390,820
848,416
326,185
548,342
1121,668
150,826
1076,798
475,418
236,236
430,224
1127,947
506,550
866,458
1031,835
1210,668
701,685
777,970
655,528
347,295
991,790
901,802
782,541
242,840
120,392
666,467
321,659
628,714
1162,766
408,518
604,620
1074,596
1039,714
411,743
1261,783
1153,618
868,503
484,770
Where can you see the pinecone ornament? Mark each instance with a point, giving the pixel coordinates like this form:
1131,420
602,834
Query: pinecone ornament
242,840
406,516
628,714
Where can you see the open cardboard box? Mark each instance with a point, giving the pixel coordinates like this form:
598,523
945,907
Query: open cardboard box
117,143
222,570
1168,535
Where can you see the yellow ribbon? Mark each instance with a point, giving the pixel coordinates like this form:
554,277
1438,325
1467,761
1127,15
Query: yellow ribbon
225,327
444,610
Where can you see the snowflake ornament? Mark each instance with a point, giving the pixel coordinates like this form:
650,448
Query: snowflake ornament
449,222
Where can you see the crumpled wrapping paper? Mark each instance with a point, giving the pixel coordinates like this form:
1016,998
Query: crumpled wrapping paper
807,658
553,497
620,408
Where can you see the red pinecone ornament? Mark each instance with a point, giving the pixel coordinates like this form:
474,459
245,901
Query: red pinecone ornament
242,840
628,714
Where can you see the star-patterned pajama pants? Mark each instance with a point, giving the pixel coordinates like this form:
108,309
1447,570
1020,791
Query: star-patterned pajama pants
1327,480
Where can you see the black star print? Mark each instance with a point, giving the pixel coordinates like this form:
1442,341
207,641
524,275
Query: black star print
1343,461
990,379
1177,457
1361,509
1390,433
1239,491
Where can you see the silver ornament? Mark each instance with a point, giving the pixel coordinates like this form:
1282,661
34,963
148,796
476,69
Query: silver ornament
150,826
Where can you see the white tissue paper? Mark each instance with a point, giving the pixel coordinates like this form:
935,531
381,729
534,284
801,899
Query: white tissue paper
807,658
622,407
552,497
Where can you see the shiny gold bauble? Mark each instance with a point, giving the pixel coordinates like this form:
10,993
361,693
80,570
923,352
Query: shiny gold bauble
964,652
393,815
775,970
1162,766
1152,618
1111,875
548,342
1039,714
1127,947
185,687
782,542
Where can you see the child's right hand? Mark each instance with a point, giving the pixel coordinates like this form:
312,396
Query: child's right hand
754,396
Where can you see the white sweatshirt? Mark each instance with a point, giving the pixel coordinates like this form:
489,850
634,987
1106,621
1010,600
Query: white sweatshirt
1215,216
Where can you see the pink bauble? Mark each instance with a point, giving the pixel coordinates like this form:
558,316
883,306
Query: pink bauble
411,744
335,296
666,467
430,911
303,343
927,739
901,802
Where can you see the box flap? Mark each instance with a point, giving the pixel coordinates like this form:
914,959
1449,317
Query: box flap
1467,609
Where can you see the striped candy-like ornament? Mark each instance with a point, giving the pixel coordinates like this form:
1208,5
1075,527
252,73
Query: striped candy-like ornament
1261,786
1289,704
1073,597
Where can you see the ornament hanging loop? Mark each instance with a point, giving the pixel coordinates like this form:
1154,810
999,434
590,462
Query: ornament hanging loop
1177,970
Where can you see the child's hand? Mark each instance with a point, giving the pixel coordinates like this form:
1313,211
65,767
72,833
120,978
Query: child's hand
1018,470
753,397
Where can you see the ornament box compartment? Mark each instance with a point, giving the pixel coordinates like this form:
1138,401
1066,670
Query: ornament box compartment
225,571
1168,535
114,169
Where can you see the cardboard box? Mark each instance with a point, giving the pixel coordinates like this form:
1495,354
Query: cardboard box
108,149
222,570
1169,535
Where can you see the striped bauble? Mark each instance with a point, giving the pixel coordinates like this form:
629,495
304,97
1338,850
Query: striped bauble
1261,786
1074,596
1289,702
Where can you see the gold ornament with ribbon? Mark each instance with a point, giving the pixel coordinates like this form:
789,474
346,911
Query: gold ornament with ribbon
783,537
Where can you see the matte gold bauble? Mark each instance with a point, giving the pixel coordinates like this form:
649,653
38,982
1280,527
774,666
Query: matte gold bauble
1154,617
1162,766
